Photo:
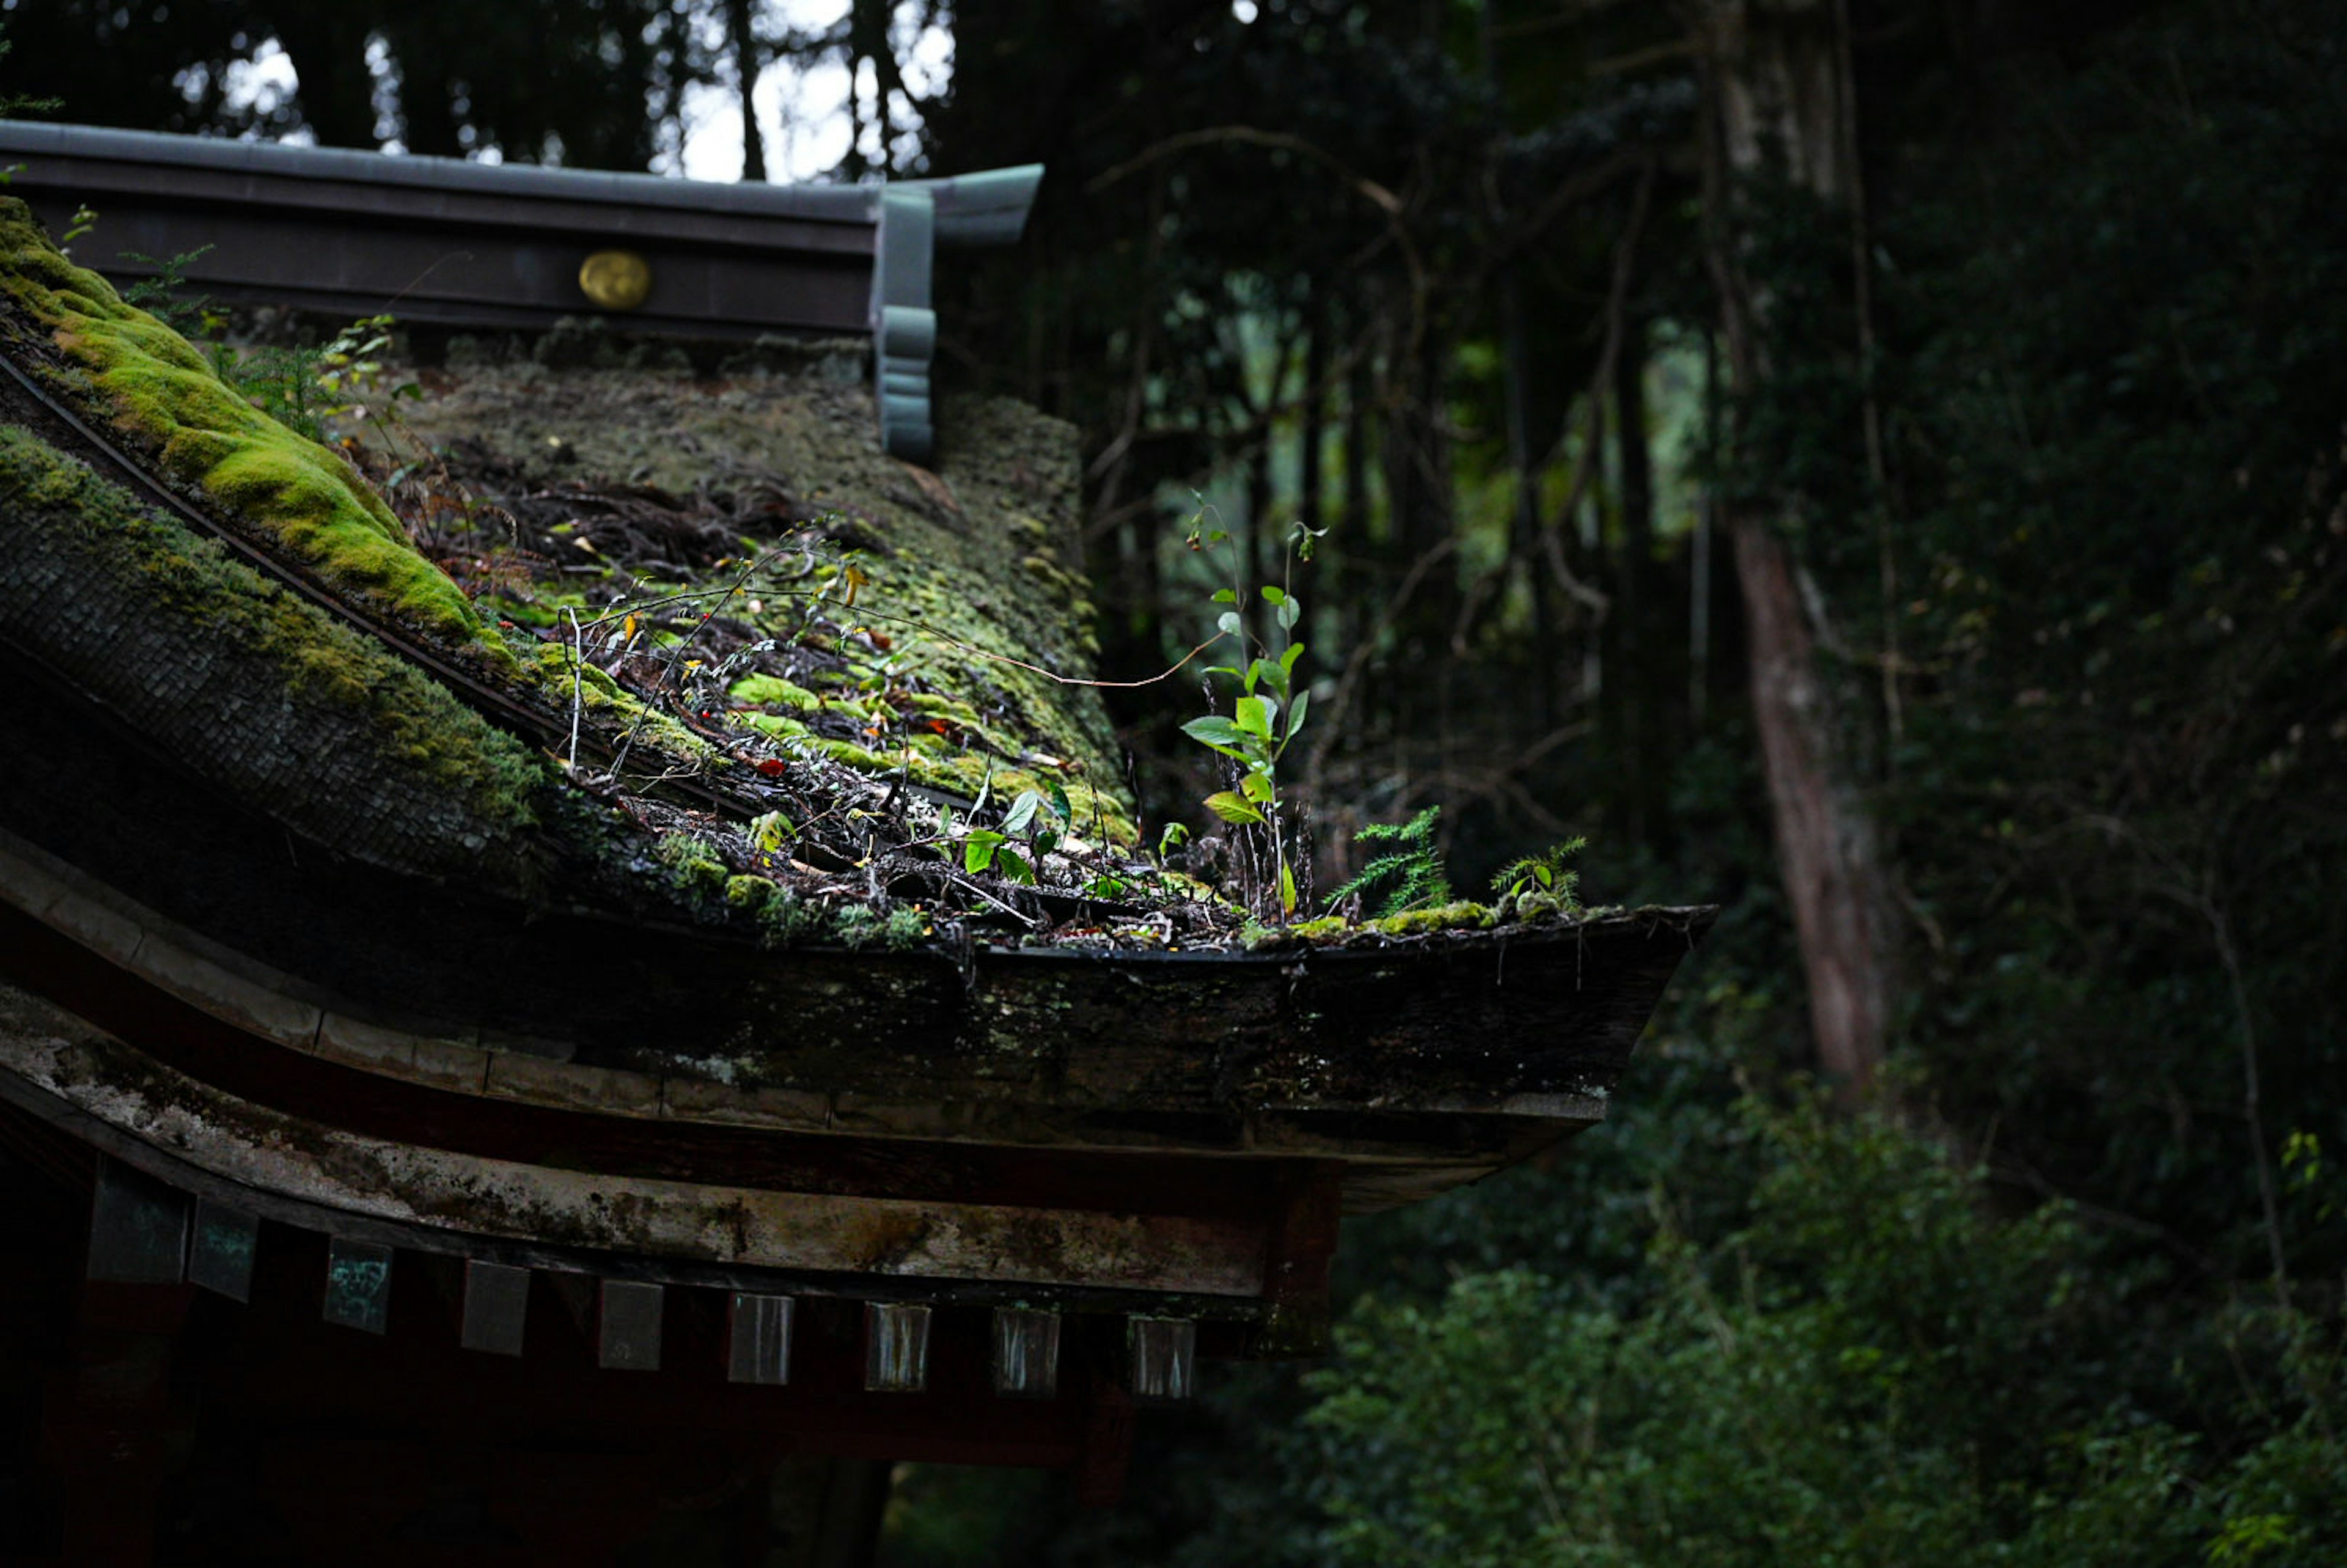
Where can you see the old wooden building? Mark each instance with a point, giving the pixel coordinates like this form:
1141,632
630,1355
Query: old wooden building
508,1040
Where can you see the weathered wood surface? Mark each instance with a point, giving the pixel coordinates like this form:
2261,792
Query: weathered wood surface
375,1192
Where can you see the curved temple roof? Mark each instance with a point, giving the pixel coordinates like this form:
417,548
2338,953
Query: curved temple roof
336,903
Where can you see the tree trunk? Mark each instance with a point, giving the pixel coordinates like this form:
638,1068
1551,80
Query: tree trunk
745,72
336,89
1311,448
1644,664
868,39
1778,98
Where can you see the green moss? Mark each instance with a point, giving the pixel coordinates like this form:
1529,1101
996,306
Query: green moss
1461,915
773,725
964,602
773,692
1528,906
849,754
1328,928
857,926
213,600
788,918
692,869
937,705
157,389
750,894
550,668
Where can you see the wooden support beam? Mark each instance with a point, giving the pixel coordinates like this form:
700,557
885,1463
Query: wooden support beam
627,1326
1026,1353
1107,1448
108,1422
138,1228
497,1307
220,1251
1164,1359
758,1338
895,1348
358,1285
1297,1256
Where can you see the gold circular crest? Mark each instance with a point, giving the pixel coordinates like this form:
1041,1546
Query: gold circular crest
616,280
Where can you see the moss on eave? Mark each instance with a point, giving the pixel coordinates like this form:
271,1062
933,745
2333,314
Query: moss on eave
249,685
156,390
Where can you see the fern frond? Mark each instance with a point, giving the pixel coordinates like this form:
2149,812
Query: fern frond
1412,876
1543,873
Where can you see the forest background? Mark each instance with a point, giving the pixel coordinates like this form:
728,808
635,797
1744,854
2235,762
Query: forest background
1877,465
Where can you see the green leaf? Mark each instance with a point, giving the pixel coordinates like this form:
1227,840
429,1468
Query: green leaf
1287,888
1228,621
1287,659
1253,715
1272,675
1215,731
1058,802
1295,715
1256,785
1274,596
1232,807
1287,614
1016,868
1021,812
977,851
1227,596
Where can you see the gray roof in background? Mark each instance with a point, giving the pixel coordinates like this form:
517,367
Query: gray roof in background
988,207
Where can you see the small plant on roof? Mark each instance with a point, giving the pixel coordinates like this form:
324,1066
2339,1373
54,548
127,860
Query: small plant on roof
1268,710
1408,876
1544,875
1039,817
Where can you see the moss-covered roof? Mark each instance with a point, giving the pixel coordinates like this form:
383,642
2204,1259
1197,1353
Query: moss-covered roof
679,638
154,387
602,488
695,635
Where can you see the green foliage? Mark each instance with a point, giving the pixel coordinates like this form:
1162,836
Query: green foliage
697,874
15,106
302,386
2121,560
1873,1368
1409,876
165,295
1544,873
1268,710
